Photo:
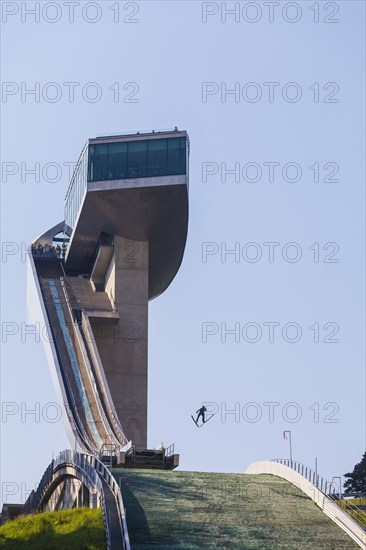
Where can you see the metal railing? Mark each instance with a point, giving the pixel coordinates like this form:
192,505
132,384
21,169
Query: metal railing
108,453
106,521
163,453
33,501
95,472
329,489
92,464
169,451
357,513
83,461
113,485
77,188
318,481
131,452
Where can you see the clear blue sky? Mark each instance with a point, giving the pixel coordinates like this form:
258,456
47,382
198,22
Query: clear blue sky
168,53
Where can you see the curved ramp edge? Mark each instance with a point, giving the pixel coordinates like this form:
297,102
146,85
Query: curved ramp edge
76,479
37,316
332,510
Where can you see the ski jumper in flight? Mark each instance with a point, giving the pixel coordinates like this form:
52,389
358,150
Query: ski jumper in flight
201,413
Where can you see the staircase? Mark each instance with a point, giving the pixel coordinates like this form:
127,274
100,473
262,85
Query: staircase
86,296
151,459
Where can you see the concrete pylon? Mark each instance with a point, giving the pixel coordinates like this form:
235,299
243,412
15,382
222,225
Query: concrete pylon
123,347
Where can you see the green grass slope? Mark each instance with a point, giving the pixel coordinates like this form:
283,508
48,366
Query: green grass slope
77,529
196,511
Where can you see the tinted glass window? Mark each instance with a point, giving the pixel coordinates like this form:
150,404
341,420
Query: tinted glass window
173,165
101,162
182,156
91,163
157,157
117,161
137,159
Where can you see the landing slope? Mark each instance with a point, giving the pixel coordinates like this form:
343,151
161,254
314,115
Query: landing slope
176,510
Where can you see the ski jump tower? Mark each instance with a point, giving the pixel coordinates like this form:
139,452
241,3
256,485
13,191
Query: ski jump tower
93,274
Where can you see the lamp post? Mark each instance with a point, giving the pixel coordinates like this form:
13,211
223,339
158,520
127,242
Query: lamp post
340,488
316,471
289,437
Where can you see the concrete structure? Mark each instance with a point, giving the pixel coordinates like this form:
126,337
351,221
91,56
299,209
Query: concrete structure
123,346
92,275
75,480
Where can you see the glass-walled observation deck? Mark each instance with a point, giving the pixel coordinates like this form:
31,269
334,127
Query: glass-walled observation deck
137,159
76,190
124,158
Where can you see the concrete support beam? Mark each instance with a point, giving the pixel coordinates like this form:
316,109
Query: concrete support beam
123,347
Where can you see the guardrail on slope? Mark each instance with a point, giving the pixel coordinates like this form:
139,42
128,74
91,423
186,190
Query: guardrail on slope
95,471
326,487
331,509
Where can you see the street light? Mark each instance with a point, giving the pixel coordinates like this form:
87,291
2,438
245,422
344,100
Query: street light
285,437
340,488
316,471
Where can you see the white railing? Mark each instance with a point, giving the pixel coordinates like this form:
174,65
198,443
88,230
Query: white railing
326,487
113,485
345,522
106,522
93,472
330,508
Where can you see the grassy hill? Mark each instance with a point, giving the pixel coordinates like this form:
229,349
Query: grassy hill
189,511
175,510
77,529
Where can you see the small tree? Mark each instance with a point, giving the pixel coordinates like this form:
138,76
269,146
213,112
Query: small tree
357,479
